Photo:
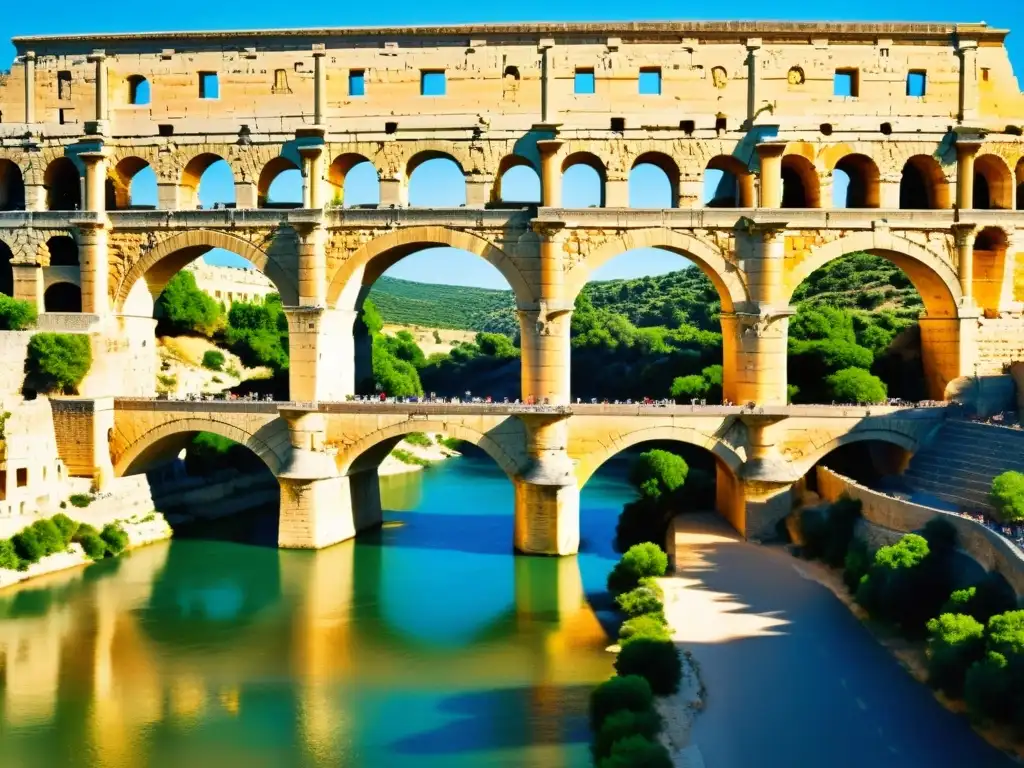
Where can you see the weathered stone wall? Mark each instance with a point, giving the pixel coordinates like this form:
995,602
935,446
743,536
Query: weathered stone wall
32,475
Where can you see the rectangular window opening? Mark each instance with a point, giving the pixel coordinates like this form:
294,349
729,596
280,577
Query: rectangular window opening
209,85
64,84
390,127
845,83
432,83
22,477
650,81
687,127
618,124
584,82
356,82
917,83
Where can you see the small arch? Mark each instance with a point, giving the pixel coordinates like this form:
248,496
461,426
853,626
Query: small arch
654,181
354,181
806,463
436,180
799,183
131,183
923,185
990,246
862,183
138,91
517,181
279,185
12,186
62,297
207,179
63,186
6,269
63,251
728,183
993,184
1019,179
584,181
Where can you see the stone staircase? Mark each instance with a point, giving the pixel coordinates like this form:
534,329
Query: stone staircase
958,463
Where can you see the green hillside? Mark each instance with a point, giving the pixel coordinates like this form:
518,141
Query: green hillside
444,306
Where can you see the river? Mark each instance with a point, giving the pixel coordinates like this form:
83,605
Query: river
426,644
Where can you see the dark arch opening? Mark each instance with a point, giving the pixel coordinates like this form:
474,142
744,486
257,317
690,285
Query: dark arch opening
799,183
12,187
862,188
1019,178
138,91
63,297
63,186
923,185
990,245
6,269
63,251
993,184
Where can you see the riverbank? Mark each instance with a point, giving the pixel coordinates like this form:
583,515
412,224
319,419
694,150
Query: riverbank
414,456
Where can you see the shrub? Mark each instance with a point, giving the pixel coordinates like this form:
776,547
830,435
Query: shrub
1007,495
114,537
183,308
49,536
58,361
8,557
902,584
213,359
639,601
419,439
28,547
657,661
649,625
989,597
856,564
989,689
622,725
93,546
856,385
80,500
637,752
657,473
628,692
955,642
639,560
651,583
66,526
16,315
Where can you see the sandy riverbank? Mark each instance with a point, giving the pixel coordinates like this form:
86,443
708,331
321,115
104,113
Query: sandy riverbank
432,453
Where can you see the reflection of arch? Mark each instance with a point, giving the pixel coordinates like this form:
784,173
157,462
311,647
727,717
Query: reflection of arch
799,183
170,437
6,270
736,188
167,258
63,187
119,183
993,183
488,445
12,186
923,184
667,166
863,191
339,170
724,275
591,161
933,277
62,297
192,174
724,453
274,168
508,162
375,257
63,251
907,442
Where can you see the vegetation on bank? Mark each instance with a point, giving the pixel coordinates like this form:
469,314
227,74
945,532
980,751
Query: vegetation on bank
1007,496
57,362
15,314
56,534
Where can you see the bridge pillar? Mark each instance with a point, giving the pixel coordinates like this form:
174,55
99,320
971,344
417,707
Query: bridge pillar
889,192
94,260
963,233
691,191
547,498
616,192
312,263
948,350
770,156
321,353
966,151
394,193
478,189
550,173
544,330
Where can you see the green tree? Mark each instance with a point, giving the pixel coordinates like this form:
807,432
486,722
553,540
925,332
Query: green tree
15,314
657,473
955,642
182,308
639,561
657,661
213,359
1007,495
856,385
57,362
627,692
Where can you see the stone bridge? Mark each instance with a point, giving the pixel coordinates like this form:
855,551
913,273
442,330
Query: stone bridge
928,137
326,455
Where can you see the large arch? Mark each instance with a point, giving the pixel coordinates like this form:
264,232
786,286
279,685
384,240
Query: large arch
374,258
934,278
163,261
725,276
908,442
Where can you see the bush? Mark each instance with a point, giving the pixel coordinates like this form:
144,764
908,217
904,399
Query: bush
629,692
58,361
639,560
93,546
49,536
16,315
28,547
8,557
419,439
651,583
657,661
183,308
80,500
639,601
989,597
637,752
114,537
989,689
856,565
622,725
955,642
657,473
213,359
650,625
67,527
1007,495
905,585
856,385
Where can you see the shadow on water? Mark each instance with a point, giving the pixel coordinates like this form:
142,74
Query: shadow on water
256,527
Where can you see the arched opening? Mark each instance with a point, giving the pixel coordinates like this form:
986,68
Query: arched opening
799,183
728,183
855,183
1019,178
6,269
436,180
518,181
131,184
63,251
63,186
63,297
923,184
993,184
207,182
138,91
583,181
279,185
871,458
12,187
654,182
990,246
354,182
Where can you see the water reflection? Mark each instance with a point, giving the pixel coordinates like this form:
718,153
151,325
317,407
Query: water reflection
427,645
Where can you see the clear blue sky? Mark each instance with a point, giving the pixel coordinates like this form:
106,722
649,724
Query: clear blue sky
435,182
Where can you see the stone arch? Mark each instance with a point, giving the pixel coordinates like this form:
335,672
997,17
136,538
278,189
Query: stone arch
800,187
63,185
192,174
1018,178
923,184
62,296
993,183
933,277
62,251
152,441
862,171
743,180
339,169
725,276
119,181
803,465
374,258
724,453
178,250
667,165
490,446
12,186
589,159
506,164
273,168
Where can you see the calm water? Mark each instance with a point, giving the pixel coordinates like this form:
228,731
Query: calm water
426,644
